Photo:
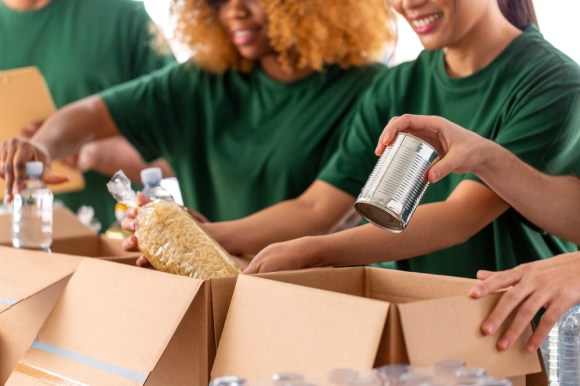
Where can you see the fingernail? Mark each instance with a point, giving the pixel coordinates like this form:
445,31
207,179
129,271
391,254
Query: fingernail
436,176
531,347
504,344
488,328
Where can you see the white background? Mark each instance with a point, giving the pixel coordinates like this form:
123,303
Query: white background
557,19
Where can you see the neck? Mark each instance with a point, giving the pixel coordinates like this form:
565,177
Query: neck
26,5
273,68
481,45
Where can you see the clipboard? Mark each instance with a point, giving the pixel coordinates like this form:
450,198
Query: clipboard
24,98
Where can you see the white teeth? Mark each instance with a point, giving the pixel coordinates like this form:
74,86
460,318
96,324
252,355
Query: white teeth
242,33
425,21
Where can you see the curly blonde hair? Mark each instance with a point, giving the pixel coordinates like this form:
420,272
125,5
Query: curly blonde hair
304,33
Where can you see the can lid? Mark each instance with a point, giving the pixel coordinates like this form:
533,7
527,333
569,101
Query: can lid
34,168
151,176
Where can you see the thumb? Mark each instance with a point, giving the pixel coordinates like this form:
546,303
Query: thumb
443,167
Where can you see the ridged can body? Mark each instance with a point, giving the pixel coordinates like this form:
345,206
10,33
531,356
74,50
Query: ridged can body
397,183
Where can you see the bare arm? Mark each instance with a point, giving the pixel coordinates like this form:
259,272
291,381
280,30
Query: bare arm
63,133
551,202
319,209
434,226
108,155
537,196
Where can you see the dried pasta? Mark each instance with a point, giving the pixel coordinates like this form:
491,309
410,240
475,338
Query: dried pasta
174,242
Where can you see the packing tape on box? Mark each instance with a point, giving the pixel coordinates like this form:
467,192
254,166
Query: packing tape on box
38,373
45,376
8,301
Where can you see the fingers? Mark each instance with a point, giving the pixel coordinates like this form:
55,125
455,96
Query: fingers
196,215
386,137
252,268
14,154
142,262
525,314
131,243
431,129
129,223
548,320
445,166
494,281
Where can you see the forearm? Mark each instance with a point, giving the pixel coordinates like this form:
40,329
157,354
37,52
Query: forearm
109,155
75,125
433,227
550,202
316,212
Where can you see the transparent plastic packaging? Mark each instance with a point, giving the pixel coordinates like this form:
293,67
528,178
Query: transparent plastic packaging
152,189
172,240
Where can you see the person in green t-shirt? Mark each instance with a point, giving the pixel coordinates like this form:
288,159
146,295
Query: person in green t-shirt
255,114
493,74
551,283
82,47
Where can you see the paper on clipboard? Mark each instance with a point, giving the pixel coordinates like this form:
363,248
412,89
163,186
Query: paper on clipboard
24,98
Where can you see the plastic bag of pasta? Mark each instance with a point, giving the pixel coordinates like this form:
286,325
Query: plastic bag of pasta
175,242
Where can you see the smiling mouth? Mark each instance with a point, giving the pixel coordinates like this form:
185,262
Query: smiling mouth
243,36
425,21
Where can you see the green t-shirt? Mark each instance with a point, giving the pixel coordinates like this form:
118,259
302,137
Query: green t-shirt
527,100
81,47
238,142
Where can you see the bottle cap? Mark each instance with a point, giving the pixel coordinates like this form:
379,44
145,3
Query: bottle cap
151,176
34,168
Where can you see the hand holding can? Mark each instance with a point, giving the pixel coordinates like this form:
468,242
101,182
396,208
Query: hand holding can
397,183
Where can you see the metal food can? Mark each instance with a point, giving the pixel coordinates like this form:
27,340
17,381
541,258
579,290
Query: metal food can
397,183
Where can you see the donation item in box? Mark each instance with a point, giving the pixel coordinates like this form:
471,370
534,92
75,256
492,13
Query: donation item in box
72,237
30,283
272,327
121,325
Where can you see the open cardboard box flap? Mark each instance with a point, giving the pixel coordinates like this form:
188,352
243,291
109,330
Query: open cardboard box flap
302,328
25,98
30,283
430,318
117,325
72,237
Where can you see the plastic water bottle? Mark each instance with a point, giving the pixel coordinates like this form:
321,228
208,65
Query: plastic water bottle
569,347
549,350
32,212
152,189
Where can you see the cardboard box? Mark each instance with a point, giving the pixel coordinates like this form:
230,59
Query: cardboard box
121,325
30,283
72,237
362,318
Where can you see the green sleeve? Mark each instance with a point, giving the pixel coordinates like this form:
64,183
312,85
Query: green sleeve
542,127
153,111
352,163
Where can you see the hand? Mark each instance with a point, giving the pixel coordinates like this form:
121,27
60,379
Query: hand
550,283
14,153
289,255
29,131
129,223
460,149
